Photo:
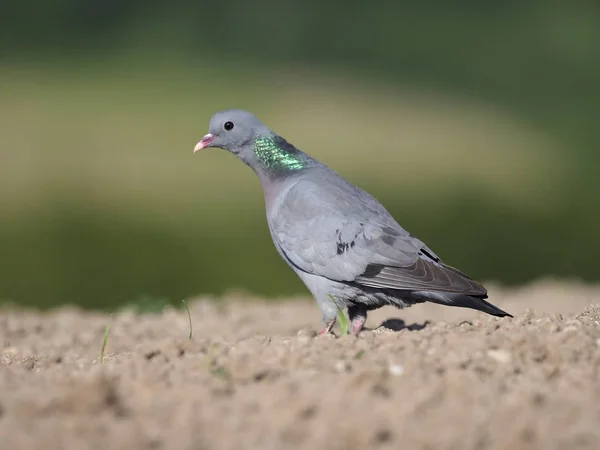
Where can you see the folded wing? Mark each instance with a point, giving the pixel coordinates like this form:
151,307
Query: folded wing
331,228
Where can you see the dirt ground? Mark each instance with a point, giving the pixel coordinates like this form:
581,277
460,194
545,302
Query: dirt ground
255,376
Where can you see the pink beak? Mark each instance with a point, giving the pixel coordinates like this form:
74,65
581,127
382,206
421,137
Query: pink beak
206,140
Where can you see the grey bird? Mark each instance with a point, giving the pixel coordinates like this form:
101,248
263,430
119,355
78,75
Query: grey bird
342,243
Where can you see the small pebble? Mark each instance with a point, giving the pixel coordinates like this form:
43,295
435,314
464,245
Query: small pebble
306,332
9,355
396,370
502,356
343,366
303,339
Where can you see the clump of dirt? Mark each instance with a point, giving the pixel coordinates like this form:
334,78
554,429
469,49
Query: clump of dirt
256,376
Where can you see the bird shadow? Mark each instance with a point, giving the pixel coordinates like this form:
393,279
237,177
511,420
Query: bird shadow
396,324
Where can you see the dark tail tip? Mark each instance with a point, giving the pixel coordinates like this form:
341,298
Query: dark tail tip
487,307
461,300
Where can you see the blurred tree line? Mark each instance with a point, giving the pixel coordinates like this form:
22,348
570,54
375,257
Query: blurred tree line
538,58
542,57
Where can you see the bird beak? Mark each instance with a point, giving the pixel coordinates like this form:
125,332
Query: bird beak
205,142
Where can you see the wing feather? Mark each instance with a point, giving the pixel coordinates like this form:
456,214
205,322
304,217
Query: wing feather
422,275
331,228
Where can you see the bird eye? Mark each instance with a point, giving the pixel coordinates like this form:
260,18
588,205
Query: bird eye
228,126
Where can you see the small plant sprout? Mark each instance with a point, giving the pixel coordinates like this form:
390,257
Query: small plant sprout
212,365
191,333
105,339
341,317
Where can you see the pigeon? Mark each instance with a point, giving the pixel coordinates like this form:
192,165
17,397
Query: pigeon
343,244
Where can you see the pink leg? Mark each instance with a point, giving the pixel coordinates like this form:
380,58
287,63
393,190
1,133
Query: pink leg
357,324
358,316
327,329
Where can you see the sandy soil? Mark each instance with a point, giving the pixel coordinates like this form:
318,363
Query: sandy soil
255,376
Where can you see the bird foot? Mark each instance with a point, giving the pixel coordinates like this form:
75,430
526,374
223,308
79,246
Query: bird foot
357,325
327,329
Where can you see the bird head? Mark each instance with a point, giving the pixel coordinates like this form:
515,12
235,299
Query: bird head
233,130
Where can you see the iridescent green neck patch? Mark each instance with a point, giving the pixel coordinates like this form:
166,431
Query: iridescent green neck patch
277,154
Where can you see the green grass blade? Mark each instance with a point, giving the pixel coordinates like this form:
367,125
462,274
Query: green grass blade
341,317
105,339
191,334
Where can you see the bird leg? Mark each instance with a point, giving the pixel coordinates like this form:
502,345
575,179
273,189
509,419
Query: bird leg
357,325
358,317
328,326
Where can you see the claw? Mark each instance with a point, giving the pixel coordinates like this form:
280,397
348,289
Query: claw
327,329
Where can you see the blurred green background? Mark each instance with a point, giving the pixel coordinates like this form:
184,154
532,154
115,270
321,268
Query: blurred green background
475,123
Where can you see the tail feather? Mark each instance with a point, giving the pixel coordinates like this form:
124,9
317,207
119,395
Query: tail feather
464,301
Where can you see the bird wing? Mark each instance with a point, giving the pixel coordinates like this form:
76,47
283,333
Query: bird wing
331,228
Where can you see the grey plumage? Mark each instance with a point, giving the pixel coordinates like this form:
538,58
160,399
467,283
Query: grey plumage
344,245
